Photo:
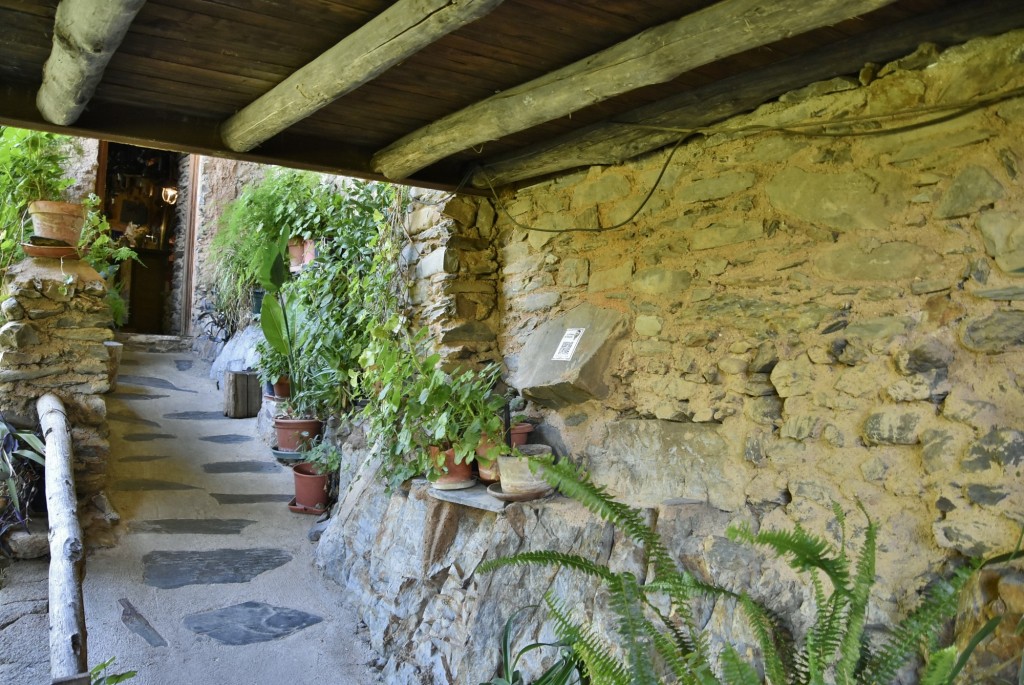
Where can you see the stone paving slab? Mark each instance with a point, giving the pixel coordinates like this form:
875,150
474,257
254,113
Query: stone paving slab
212,579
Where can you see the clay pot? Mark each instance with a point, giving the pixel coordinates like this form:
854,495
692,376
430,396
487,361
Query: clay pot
487,469
310,487
520,432
455,476
283,387
57,220
516,476
296,434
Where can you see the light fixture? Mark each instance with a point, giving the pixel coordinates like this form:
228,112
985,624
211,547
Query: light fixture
169,194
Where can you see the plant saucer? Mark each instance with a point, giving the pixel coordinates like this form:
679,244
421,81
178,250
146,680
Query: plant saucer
456,485
287,456
303,509
494,490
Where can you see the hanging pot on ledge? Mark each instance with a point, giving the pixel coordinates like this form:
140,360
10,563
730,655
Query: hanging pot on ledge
57,220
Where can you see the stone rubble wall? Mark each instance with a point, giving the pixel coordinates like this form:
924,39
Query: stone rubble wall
56,323
790,321
174,305
220,182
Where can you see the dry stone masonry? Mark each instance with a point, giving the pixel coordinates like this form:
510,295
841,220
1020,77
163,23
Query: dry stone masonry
52,340
792,319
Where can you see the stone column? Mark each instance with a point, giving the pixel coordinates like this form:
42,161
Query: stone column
56,321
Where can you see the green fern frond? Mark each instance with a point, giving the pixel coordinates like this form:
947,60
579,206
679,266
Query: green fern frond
852,646
830,625
776,651
598,663
940,667
549,558
627,601
801,549
735,670
917,629
576,484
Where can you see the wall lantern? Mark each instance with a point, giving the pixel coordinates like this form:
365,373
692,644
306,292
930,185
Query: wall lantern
169,194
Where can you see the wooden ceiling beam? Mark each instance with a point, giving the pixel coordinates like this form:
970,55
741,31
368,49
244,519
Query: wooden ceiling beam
158,129
397,33
653,56
617,140
86,33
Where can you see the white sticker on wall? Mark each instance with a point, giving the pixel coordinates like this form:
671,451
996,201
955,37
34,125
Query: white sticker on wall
567,345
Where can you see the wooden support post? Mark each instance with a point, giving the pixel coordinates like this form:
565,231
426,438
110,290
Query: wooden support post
68,654
86,33
657,55
243,395
400,31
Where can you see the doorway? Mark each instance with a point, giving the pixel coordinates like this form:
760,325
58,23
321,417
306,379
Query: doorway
140,187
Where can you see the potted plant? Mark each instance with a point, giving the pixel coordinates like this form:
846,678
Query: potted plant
313,477
272,367
19,450
33,185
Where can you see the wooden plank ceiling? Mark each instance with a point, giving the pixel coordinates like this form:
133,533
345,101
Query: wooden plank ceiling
522,88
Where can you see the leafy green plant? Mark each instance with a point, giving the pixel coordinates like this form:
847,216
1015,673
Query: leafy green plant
96,674
666,644
105,253
324,456
462,409
564,671
272,365
14,446
31,168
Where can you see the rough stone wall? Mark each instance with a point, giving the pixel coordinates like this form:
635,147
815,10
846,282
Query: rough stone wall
452,267
173,312
791,320
52,341
220,181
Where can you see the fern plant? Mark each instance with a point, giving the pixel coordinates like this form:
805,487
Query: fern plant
665,645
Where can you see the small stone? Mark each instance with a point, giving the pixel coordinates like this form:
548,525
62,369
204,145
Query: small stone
732,365
999,447
892,428
712,267
933,285
995,333
536,302
874,469
910,389
574,272
720,235
16,336
1003,233
937,450
800,427
833,436
648,326
658,281
716,187
766,358
615,278
793,378
12,309
31,544
985,495
766,411
820,355
973,189
929,355
1001,294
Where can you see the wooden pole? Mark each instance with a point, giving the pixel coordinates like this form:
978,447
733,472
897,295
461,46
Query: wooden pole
400,31
68,654
86,33
655,56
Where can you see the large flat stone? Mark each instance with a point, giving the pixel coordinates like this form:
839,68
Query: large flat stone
843,202
227,439
649,463
254,498
971,190
192,526
151,382
1003,233
890,261
249,623
168,570
246,466
143,484
147,437
561,383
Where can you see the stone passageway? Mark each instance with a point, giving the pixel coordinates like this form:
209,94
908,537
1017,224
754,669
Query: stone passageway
211,579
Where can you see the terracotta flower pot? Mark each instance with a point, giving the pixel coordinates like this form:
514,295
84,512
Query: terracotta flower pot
283,387
455,476
520,432
310,487
487,469
296,434
57,220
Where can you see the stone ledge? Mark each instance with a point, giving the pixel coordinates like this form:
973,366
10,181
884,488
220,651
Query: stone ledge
475,497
